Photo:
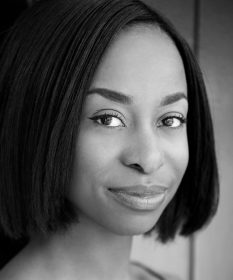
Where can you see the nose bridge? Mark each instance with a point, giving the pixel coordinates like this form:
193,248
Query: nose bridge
146,150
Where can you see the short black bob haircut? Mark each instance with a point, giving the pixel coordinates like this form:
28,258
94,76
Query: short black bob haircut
48,62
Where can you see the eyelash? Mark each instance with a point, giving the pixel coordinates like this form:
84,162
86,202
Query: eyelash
107,115
177,116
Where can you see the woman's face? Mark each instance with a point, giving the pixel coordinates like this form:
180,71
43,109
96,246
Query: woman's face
132,149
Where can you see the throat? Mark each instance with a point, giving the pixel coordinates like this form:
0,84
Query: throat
83,255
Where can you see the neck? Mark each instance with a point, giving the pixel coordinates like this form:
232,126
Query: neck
86,251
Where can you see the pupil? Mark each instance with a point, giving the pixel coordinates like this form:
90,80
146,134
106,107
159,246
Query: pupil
107,120
169,122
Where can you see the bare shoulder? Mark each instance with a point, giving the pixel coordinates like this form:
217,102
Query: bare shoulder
20,269
15,273
8,272
12,272
143,272
172,277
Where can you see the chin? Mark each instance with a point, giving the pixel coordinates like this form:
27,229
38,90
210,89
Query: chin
130,225
133,231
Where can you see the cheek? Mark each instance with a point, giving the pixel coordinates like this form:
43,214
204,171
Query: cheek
181,158
184,155
94,159
89,171
178,157
94,151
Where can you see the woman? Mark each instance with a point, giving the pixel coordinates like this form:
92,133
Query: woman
106,133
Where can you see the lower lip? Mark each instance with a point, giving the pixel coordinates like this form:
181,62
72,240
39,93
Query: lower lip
136,202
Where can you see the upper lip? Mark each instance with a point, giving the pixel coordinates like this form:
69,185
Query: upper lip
140,189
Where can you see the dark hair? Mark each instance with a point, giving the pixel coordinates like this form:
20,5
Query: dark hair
48,62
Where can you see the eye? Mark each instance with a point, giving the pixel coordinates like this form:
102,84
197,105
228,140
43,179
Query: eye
109,120
172,120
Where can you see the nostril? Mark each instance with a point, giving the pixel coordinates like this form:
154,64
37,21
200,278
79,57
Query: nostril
136,166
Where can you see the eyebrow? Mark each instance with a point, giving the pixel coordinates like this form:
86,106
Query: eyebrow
112,95
170,99
119,97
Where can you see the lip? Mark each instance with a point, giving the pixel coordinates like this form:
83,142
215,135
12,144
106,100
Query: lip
139,197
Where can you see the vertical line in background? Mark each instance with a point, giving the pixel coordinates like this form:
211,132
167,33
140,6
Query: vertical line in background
196,27
196,49
192,257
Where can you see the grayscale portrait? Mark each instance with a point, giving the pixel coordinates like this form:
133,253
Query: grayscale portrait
110,148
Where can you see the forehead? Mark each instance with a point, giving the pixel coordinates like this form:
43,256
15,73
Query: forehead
141,60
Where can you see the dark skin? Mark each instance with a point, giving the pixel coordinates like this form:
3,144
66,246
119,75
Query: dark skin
144,64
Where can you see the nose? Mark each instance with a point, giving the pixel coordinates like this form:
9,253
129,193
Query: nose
144,153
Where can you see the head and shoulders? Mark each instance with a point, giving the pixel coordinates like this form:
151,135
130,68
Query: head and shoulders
72,48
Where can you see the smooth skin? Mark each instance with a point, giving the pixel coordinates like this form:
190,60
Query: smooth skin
139,142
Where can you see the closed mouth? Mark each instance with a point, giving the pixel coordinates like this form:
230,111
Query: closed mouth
140,190
139,197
